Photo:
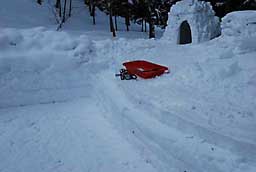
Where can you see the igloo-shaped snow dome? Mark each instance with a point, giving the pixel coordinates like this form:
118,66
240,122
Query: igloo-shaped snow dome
191,21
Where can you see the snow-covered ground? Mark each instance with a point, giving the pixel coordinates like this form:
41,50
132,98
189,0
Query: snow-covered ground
62,109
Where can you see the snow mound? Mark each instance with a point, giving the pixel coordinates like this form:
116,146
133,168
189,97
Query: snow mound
203,23
239,23
37,62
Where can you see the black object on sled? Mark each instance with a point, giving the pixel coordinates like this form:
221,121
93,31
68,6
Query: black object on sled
124,75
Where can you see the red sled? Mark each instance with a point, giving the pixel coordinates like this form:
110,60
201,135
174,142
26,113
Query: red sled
145,69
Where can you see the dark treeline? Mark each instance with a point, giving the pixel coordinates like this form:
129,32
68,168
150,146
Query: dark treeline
147,13
155,12
222,7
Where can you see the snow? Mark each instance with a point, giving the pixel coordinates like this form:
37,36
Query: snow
19,14
35,60
242,26
63,109
239,23
48,140
200,17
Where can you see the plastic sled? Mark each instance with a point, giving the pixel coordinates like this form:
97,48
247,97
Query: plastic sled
145,69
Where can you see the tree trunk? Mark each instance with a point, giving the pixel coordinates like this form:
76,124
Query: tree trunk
127,20
90,7
58,6
64,12
93,14
92,10
151,29
70,8
142,25
151,22
116,22
145,25
112,29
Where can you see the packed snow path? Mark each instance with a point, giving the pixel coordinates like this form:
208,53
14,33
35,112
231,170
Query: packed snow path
63,110
71,136
106,131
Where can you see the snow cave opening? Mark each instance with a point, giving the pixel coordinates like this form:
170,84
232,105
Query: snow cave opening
185,36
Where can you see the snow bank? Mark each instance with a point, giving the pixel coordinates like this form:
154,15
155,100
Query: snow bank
46,44
239,23
37,62
239,29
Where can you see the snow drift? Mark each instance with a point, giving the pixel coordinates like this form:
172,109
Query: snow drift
37,66
240,27
239,23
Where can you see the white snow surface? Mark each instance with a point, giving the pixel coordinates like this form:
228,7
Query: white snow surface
62,108
239,23
200,16
25,14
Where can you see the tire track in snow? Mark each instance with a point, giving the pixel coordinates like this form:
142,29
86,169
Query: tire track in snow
234,145
161,141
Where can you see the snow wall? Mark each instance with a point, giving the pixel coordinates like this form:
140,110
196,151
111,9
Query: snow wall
203,23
